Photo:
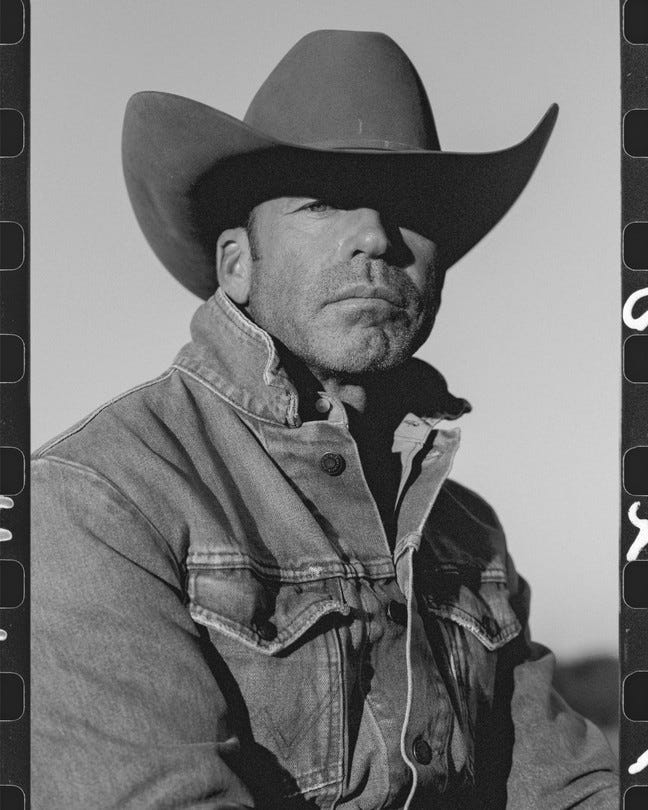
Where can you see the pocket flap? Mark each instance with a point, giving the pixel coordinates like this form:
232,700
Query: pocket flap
265,614
477,600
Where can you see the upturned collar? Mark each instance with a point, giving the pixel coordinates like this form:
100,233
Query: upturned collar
240,360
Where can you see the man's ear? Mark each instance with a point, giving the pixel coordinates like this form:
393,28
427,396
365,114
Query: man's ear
234,264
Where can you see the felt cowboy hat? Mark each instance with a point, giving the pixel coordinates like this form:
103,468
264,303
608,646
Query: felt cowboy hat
344,115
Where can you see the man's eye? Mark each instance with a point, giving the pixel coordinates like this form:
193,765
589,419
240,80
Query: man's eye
317,206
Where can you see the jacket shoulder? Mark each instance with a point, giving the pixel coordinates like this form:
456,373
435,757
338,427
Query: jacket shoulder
113,418
157,451
463,530
472,503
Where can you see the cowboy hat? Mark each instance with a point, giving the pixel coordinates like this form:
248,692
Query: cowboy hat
344,114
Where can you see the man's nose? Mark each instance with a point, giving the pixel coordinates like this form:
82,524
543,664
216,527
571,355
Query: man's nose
364,232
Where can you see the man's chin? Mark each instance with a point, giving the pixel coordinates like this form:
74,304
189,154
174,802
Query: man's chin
374,354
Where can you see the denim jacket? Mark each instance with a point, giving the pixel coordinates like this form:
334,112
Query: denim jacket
220,622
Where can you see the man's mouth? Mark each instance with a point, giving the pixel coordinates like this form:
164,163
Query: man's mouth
370,291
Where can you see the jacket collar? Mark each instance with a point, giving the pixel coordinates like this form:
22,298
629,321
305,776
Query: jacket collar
240,360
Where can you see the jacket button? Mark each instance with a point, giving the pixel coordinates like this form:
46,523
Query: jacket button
397,612
422,751
333,463
322,405
267,631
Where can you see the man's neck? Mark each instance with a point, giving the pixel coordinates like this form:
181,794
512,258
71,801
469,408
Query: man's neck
365,397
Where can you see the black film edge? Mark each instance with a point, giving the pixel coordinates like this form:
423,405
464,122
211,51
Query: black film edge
14,403
633,556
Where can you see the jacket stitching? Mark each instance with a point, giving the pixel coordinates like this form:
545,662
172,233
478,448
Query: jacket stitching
194,375
469,512
74,430
383,745
494,573
289,737
255,331
235,560
131,505
244,325
456,614
301,622
316,786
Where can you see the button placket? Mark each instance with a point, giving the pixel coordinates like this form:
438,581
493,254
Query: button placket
403,555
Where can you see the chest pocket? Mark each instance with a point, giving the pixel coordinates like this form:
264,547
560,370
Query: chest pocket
468,619
478,601
277,660
464,598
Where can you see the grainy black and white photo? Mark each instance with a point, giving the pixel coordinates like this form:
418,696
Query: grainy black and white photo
324,405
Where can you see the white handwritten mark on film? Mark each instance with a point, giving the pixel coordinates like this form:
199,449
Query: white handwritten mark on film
639,322
641,540
5,503
640,764
5,534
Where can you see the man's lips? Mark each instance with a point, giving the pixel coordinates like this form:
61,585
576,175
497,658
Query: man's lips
360,291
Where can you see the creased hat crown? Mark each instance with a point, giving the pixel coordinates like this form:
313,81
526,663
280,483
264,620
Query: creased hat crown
343,113
345,89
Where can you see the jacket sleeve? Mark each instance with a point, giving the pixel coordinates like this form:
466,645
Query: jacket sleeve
126,711
559,759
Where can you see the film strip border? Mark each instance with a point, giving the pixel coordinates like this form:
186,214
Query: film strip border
14,403
634,419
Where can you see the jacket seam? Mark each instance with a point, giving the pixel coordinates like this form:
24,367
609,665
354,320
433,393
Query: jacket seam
195,376
316,786
466,510
85,422
299,624
236,560
384,749
130,504
452,607
337,680
495,573
251,329
462,617
244,325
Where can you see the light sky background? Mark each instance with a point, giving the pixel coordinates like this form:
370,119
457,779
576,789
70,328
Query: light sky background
529,328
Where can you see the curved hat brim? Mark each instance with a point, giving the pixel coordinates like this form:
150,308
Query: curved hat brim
191,171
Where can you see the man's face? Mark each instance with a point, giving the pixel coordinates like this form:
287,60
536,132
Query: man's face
347,291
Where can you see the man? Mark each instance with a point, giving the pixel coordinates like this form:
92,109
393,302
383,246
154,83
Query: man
254,584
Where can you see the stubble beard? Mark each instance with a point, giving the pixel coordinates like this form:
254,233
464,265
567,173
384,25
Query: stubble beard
372,349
